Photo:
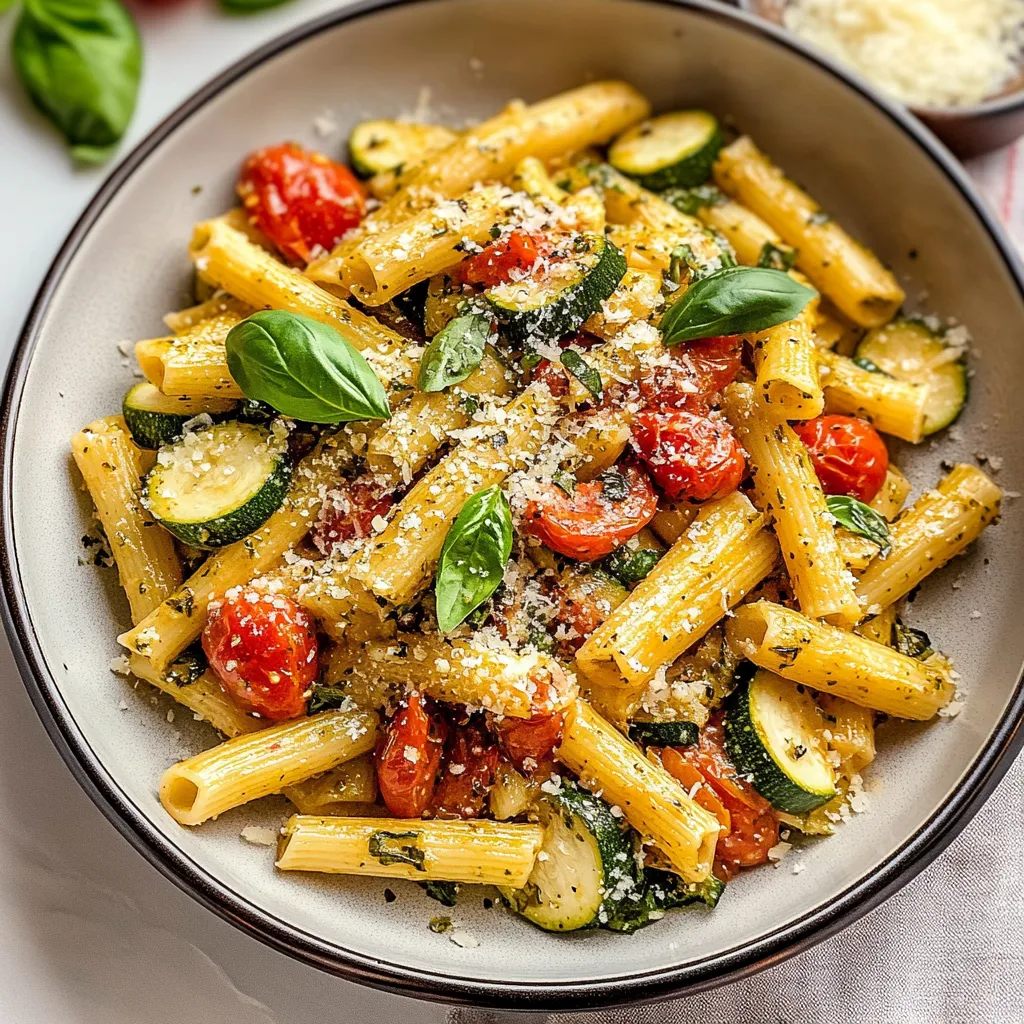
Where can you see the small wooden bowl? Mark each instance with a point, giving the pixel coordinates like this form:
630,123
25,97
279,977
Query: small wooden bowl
968,131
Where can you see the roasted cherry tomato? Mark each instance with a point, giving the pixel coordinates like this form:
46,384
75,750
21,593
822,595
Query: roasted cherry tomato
849,455
696,371
409,756
583,601
597,518
529,742
553,375
303,202
690,456
263,649
470,762
517,252
348,513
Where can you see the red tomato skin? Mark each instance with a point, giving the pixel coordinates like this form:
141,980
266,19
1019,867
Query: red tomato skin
698,370
470,764
263,649
303,202
849,455
585,525
408,757
517,252
348,512
529,742
690,456
553,375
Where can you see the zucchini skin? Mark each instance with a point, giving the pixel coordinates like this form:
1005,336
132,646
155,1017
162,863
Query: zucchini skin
152,428
664,734
690,170
664,891
574,304
753,760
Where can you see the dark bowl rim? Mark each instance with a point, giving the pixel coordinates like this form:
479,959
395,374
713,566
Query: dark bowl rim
662,983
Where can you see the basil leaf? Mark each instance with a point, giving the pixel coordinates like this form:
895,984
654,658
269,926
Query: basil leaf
454,353
327,698
914,643
473,557
303,369
249,6
615,487
583,372
692,200
631,566
6,5
388,849
861,519
80,62
736,300
446,893
564,481
776,257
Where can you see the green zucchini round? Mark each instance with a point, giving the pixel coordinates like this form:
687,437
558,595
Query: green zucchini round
155,419
674,150
664,734
219,485
773,734
535,310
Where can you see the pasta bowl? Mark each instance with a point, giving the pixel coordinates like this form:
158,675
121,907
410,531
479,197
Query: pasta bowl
875,171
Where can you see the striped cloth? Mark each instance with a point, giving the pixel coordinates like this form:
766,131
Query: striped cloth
946,949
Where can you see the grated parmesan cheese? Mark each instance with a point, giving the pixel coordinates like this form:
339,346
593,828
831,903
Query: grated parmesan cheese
928,53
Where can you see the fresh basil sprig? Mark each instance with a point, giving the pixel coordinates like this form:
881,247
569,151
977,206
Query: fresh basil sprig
860,519
473,557
80,62
454,353
303,369
586,374
735,300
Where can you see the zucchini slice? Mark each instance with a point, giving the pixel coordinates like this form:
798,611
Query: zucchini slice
908,350
378,146
773,734
217,486
155,419
585,869
664,734
571,291
670,151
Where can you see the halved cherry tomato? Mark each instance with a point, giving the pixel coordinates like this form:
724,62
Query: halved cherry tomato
408,757
470,763
554,375
697,370
263,649
518,251
589,523
849,455
529,742
348,512
689,455
300,200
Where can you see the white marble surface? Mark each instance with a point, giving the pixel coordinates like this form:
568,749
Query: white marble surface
90,934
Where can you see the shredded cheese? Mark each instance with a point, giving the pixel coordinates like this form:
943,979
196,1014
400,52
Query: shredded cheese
928,53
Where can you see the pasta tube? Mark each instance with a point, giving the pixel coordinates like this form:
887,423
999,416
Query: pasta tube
889,501
192,363
650,799
147,564
841,268
787,488
720,558
246,768
838,662
483,852
750,237
938,526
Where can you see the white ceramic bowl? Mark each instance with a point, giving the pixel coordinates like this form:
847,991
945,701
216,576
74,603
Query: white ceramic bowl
125,264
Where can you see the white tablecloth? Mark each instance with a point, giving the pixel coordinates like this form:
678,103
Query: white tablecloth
90,934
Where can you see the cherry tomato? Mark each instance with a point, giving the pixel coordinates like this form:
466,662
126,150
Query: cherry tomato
517,252
470,763
301,201
689,455
849,455
553,375
697,370
583,602
695,783
592,522
348,512
263,649
529,742
408,757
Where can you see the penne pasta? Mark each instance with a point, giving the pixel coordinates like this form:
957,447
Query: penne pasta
889,501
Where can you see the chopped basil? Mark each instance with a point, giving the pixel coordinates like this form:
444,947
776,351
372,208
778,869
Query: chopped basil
692,200
735,300
440,925
615,485
446,893
564,480
388,848
454,353
583,372
326,698
914,643
304,369
631,566
473,557
776,257
860,519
